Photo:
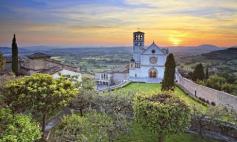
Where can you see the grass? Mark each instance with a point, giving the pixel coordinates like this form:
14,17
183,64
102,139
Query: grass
139,134
153,88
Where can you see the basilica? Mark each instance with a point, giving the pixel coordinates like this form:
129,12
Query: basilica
147,65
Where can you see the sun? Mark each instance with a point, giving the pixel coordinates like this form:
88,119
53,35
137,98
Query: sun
175,41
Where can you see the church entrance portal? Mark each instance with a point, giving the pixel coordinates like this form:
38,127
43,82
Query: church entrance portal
152,73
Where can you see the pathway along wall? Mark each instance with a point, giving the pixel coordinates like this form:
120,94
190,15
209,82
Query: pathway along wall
207,94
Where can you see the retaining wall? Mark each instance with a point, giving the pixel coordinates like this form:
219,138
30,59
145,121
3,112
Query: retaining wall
208,94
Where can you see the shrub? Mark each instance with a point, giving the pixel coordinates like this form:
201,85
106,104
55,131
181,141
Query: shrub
92,127
17,128
163,114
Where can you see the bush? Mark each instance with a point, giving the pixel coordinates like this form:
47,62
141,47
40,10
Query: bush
17,128
216,82
163,114
92,127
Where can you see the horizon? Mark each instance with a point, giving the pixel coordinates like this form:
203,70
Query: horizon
110,23
115,46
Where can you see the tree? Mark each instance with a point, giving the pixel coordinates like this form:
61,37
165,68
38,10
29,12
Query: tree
14,56
163,114
2,61
169,75
207,73
17,127
198,73
84,99
40,95
216,82
91,127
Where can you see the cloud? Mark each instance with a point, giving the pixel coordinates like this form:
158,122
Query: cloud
99,20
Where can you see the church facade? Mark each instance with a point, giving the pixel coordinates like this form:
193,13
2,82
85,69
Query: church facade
147,64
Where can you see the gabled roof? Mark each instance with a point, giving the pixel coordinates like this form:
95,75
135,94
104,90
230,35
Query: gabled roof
154,47
39,55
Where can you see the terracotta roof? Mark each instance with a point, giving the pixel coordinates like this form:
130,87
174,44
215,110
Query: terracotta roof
39,55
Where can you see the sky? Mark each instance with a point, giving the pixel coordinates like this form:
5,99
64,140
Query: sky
112,22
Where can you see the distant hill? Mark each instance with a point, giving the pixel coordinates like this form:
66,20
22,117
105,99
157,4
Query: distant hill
226,54
8,51
178,51
221,61
182,51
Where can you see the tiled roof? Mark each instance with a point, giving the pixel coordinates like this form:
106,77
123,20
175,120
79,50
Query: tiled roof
39,55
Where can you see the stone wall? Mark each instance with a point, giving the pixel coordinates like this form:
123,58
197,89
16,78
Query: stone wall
207,94
214,129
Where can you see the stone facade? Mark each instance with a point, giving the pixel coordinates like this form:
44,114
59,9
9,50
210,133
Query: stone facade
147,64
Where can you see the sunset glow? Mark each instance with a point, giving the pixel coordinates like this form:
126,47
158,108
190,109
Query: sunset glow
111,22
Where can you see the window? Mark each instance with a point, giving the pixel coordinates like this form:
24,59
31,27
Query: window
153,51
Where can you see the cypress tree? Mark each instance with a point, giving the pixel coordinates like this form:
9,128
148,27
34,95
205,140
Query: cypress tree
14,56
207,73
169,75
2,62
198,73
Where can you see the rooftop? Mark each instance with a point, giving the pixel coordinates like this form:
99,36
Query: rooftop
39,55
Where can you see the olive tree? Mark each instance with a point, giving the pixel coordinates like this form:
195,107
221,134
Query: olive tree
84,98
17,127
163,114
39,94
90,127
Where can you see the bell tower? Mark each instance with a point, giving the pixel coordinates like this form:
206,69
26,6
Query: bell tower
138,41
138,45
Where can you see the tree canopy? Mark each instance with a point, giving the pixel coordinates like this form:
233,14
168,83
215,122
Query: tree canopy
39,94
198,73
17,128
169,75
163,114
91,127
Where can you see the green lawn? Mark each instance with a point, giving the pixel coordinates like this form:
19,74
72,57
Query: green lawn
153,88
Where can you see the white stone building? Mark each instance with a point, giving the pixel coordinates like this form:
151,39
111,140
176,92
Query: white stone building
147,64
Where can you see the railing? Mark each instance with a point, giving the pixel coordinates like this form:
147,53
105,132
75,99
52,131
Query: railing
120,85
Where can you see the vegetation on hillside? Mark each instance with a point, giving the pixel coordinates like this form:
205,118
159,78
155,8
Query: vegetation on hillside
221,66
